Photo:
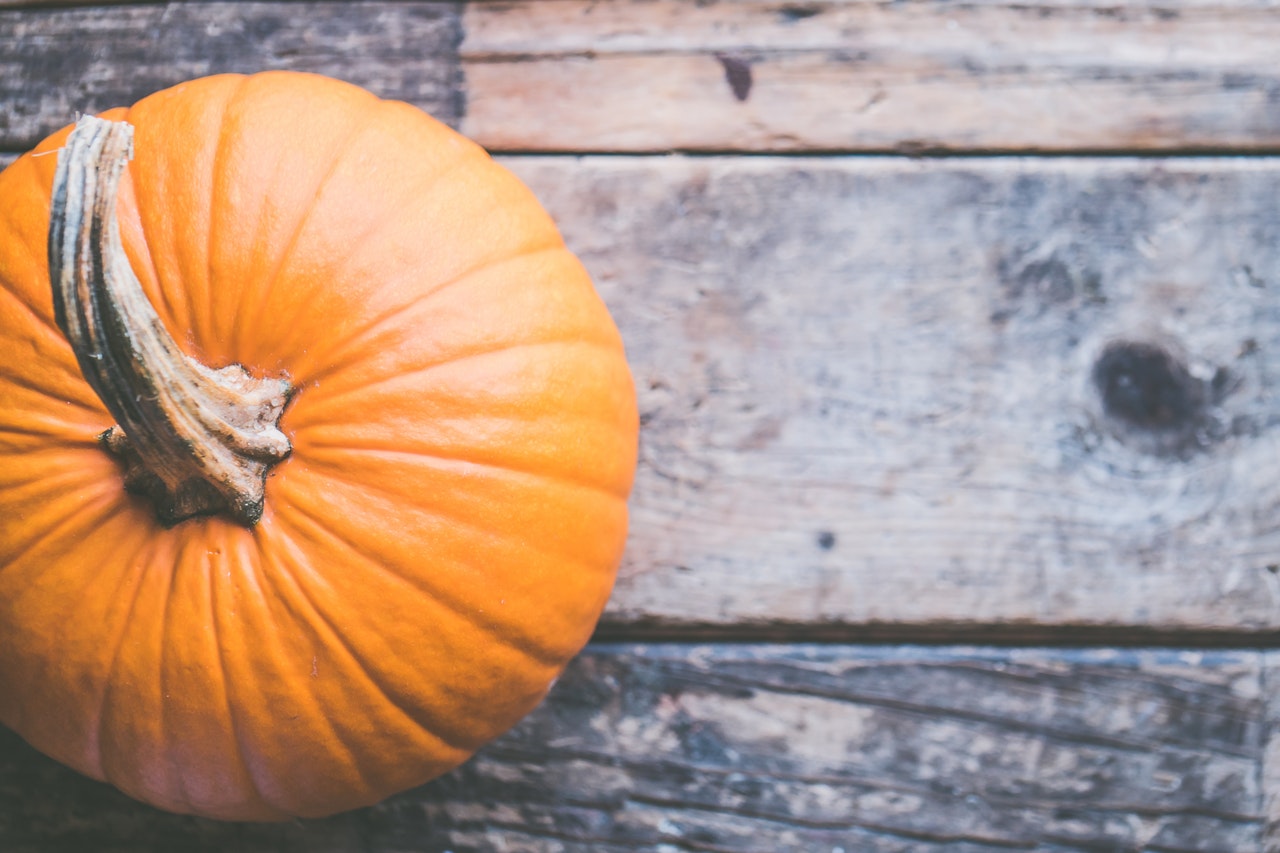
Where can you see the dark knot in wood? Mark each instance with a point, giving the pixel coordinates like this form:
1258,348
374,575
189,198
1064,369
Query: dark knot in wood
1144,386
1156,405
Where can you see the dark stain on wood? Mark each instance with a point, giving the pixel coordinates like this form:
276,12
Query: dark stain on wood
792,13
1143,385
1155,398
1049,279
826,540
737,71
1031,286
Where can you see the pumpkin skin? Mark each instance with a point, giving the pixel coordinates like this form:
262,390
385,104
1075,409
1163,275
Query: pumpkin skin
442,539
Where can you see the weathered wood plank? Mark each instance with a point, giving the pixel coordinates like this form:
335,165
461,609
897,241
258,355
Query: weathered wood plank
1271,751
841,75
882,392
756,748
655,75
56,63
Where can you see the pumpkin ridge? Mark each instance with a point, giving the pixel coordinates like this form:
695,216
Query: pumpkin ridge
37,258
430,593
509,634
167,288
175,784
323,624
93,743
341,150
403,373
454,519
106,503
44,322
519,642
137,574
332,354
434,455
88,405
42,437
390,210
265,589
233,716
51,429
68,481
215,169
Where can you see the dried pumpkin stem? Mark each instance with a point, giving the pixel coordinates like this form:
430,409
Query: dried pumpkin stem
196,440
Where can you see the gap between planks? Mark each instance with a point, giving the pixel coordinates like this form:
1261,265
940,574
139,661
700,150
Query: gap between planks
994,636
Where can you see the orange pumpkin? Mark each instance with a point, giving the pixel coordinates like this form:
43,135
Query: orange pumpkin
446,529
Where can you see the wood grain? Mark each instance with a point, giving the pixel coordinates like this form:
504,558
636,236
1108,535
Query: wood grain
1001,392
768,748
857,75
658,75
56,63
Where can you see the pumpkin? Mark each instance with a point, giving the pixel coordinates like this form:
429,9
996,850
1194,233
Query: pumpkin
357,489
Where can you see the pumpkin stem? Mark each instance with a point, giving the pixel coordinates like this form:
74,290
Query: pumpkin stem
197,441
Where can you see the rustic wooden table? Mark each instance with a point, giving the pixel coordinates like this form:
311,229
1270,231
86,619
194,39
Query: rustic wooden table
956,329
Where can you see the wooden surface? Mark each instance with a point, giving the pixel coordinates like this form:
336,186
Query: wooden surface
58,62
879,392
773,748
716,75
982,398
1049,75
